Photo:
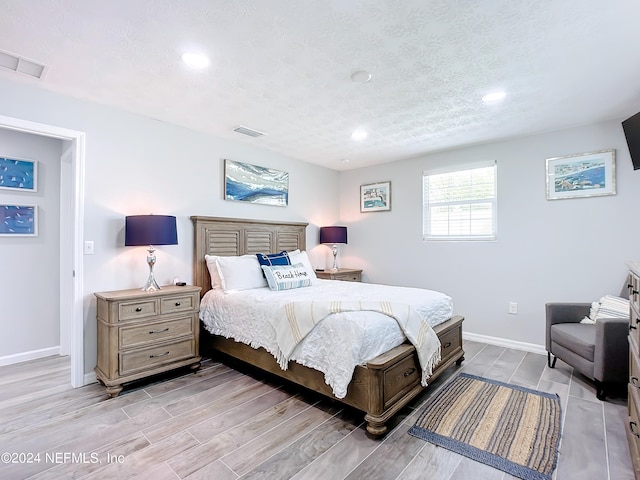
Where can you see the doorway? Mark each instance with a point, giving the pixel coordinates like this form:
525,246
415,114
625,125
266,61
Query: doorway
71,236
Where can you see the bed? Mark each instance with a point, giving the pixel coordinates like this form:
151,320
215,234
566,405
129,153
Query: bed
380,388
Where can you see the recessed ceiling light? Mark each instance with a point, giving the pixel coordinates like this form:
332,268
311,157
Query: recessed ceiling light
494,97
359,134
195,60
361,76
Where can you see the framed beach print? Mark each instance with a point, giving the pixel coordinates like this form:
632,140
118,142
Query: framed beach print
581,175
250,183
18,174
19,220
375,197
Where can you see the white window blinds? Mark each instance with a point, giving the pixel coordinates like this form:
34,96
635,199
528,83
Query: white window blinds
460,204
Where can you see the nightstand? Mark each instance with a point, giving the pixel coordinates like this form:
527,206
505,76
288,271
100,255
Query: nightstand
145,333
344,274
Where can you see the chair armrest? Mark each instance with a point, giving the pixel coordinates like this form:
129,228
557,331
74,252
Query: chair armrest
564,313
611,356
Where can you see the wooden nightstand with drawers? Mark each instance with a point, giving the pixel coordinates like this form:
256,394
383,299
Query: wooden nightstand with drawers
344,274
145,333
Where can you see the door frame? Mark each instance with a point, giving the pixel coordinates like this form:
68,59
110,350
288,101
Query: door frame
71,236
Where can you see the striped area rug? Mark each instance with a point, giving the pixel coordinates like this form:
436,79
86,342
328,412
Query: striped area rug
511,428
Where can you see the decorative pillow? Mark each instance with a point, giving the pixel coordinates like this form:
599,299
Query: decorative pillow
297,256
609,306
281,258
285,277
240,273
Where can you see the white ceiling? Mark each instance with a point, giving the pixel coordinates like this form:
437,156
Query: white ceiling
283,67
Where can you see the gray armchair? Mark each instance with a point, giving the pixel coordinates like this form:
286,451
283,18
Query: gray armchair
600,351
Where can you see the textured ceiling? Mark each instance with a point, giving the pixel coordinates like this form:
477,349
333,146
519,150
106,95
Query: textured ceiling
283,67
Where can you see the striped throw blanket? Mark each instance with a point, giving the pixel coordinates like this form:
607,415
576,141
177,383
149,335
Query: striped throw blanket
298,318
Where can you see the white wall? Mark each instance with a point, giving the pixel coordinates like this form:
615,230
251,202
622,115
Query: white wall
29,272
568,250
561,250
136,165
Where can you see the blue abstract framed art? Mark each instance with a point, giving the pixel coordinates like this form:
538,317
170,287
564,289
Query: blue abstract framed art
18,174
19,220
250,183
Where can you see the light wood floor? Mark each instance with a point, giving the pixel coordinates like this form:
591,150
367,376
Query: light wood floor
222,424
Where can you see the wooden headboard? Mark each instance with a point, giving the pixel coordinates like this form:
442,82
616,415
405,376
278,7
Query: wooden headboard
238,236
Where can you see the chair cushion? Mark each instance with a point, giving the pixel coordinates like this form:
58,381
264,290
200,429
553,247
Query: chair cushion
576,337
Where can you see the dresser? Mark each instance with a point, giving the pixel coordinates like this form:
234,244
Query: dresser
344,274
633,420
145,333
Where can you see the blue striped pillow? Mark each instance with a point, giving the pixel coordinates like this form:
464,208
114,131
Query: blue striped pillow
286,277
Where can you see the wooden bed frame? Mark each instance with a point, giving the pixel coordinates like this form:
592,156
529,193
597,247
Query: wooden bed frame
380,388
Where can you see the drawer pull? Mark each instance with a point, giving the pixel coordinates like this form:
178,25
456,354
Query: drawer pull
178,304
446,345
633,430
410,371
139,309
634,382
634,292
159,355
159,331
631,327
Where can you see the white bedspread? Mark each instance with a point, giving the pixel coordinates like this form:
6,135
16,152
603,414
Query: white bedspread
337,344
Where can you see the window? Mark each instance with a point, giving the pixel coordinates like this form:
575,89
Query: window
460,204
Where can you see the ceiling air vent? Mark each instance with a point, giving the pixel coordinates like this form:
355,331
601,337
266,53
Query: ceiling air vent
21,65
248,131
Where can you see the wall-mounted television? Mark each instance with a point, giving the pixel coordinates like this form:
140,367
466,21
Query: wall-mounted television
631,127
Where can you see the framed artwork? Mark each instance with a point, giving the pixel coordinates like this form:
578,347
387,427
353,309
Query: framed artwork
375,197
19,220
581,175
250,183
18,174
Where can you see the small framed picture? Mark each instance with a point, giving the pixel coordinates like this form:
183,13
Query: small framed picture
581,175
18,174
19,220
375,197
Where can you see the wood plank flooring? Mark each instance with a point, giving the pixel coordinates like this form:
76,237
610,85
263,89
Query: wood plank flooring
223,424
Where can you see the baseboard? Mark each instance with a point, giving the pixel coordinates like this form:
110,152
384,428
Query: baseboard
26,356
90,378
503,342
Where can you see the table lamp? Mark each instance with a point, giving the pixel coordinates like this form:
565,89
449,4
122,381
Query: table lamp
333,235
150,230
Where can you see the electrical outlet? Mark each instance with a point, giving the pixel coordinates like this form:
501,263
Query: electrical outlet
513,308
89,248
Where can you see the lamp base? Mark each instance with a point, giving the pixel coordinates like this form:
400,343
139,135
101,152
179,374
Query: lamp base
335,255
151,285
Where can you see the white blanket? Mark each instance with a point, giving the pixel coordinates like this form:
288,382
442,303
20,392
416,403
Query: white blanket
341,341
297,319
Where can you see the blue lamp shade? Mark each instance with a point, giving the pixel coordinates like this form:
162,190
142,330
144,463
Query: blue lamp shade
150,230
333,235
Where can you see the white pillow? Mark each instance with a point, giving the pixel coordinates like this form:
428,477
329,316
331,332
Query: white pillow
286,277
216,281
301,257
240,273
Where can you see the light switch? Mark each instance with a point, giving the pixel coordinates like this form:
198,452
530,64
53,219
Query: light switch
89,247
